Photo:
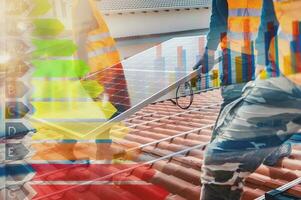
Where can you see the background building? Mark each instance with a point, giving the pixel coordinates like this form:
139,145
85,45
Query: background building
140,24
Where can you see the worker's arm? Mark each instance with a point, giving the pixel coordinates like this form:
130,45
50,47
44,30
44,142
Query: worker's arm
218,26
267,31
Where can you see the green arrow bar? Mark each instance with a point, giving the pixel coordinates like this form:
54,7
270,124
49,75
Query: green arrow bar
41,7
47,27
45,48
60,68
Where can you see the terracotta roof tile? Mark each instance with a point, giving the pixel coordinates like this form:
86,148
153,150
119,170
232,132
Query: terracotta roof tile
278,173
175,185
188,174
296,154
180,175
251,194
290,164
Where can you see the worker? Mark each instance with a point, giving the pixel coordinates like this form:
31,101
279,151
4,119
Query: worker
253,127
234,26
97,48
95,44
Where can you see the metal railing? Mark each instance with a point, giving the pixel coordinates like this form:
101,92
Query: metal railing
283,188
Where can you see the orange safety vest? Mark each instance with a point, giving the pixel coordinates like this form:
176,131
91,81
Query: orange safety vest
288,46
243,24
96,45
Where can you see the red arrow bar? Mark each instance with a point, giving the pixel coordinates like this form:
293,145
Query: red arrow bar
101,192
88,172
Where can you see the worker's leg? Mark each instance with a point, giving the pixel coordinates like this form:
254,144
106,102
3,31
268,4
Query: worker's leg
229,94
267,109
227,163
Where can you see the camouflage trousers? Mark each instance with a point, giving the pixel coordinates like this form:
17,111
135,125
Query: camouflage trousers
229,93
248,131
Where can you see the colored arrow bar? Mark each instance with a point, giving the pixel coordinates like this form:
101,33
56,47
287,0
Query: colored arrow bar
16,130
15,89
67,151
72,130
84,172
102,150
58,89
20,50
75,111
46,48
15,151
60,68
16,69
47,27
105,192
15,110
17,47
16,172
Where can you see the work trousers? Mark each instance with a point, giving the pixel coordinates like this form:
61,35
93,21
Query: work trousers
248,130
229,94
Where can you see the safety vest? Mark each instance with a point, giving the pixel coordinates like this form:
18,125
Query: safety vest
243,24
285,49
95,43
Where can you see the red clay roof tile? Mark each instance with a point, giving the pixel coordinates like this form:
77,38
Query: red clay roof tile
180,175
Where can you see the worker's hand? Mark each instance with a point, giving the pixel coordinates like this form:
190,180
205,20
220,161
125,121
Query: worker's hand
198,64
206,61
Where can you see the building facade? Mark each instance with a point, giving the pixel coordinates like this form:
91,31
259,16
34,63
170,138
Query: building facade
140,24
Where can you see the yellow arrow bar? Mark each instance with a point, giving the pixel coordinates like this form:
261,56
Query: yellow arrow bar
65,89
48,131
73,110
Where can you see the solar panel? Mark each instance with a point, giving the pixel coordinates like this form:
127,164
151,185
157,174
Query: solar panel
143,76
134,83
148,76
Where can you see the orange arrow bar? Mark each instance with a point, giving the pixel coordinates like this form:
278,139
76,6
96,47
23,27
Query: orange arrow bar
81,151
